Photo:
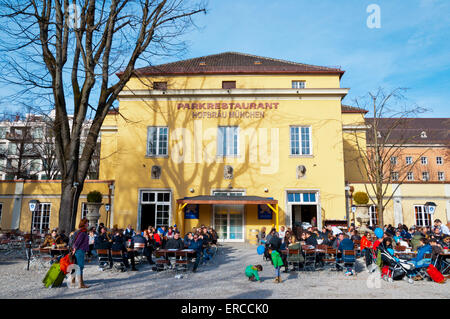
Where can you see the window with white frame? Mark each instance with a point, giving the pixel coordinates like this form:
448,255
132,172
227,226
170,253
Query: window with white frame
394,176
422,216
300,140
41,217
298,197
409,160
228,141
373,216
298,84
394,160
3,131
441,176
410,176
157,141
159,201
439,160
424,160
425,176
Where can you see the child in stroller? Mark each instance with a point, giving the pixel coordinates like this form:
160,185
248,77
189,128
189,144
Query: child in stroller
394,268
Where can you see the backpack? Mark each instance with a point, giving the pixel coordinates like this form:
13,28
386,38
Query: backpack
72,238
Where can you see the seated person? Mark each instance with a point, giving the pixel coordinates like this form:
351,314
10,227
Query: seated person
174,242
297,259
197,245
139,239
53,239
252,272
187,239
310,239
423,248
397,237
103,241
119,244
355,235
345,244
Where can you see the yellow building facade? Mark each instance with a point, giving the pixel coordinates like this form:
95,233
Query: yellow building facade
235,141
263,138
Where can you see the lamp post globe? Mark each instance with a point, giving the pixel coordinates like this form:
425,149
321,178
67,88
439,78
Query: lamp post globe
33,205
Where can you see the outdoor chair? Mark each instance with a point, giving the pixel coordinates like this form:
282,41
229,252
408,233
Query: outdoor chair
310,259
103,258
422,271
117,259
139,250
182,261
330,258
293,257
161,262
349,259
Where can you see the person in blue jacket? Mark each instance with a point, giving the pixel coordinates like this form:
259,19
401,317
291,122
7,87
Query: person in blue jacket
419,261
346,244
196,244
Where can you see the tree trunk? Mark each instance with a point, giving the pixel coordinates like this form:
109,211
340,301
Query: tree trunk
68,206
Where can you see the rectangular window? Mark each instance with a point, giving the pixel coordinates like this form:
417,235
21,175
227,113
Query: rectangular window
300,140
228,141
410,176
159,202
394,176
157,141
37,132
423,217
228,84
3,131
441,176
160,86
41,217
294,197
298,84
425,176
424,160
373,216
394,160
439,160
409,160
12,149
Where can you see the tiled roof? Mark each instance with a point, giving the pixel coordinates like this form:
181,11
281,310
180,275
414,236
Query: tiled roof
235,63
409,131
352,109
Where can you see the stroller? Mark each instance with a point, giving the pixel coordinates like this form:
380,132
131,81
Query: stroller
395,269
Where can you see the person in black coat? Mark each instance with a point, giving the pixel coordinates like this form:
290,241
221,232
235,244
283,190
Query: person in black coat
139,239
175,243
310,239
119,244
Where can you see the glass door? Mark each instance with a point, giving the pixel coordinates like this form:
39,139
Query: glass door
229,222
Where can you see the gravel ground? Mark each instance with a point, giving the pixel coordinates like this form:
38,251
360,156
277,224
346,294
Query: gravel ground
222,278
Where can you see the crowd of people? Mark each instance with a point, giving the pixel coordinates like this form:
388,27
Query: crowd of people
420,239
203,240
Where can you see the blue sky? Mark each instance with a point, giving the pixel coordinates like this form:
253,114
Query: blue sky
411,49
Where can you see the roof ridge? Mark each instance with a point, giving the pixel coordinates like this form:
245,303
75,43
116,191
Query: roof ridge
248,55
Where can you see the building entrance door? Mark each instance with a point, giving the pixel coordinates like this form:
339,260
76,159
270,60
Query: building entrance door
229,222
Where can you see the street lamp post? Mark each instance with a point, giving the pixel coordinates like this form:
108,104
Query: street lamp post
33,206
430,208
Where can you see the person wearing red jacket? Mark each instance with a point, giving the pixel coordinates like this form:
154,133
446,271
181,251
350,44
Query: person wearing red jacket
366,244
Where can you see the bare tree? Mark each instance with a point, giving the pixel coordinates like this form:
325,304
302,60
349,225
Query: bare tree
387,134
69,51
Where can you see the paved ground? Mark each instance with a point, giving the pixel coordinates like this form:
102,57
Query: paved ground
224,278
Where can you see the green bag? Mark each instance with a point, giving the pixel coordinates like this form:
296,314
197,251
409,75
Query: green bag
54,276
379,261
